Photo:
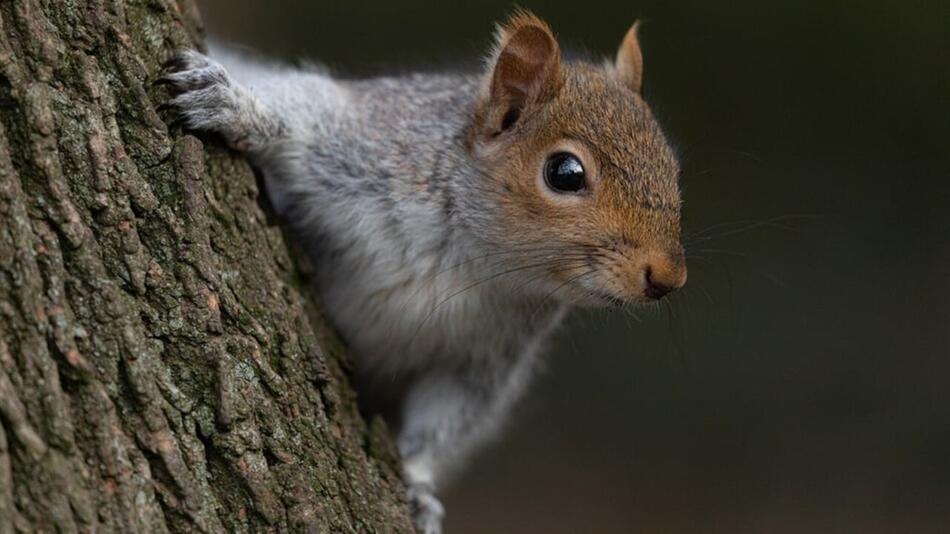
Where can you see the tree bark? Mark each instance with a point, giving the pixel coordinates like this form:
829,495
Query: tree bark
160,368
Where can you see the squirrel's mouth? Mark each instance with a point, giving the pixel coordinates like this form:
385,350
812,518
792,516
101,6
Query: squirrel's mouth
609,299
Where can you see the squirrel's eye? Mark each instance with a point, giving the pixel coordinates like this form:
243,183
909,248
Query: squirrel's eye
564,173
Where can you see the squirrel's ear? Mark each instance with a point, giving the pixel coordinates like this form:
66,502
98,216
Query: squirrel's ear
629,63
525,70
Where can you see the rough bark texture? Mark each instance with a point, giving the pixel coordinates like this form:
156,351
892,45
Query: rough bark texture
159,366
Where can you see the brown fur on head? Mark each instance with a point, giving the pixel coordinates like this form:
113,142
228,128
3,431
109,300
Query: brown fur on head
618,238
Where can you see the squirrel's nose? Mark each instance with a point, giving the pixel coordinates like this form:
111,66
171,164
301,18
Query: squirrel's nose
663,274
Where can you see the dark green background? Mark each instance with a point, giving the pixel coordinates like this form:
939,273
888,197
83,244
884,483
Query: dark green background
801,382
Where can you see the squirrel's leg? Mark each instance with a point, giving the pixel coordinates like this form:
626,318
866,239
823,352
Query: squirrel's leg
206,98
445,416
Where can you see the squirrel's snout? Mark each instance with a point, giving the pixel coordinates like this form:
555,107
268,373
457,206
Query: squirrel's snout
663,273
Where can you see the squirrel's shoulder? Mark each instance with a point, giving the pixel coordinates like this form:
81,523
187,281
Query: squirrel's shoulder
429,105
424,87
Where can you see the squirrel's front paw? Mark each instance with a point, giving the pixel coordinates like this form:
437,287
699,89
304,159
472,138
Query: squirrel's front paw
205,98
427,511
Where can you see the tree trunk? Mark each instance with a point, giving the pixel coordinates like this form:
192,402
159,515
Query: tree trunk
160,368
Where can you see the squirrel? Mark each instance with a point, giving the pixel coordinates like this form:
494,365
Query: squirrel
455,218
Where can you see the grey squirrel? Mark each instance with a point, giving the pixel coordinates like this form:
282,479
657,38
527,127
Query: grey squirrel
455,218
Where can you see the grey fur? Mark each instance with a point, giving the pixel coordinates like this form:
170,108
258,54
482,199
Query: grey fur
444,322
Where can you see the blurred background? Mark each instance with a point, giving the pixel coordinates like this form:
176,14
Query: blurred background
801,381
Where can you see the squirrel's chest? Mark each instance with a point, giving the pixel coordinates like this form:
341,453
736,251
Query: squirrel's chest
405,318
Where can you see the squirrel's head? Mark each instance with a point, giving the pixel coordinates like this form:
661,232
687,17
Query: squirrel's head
578,181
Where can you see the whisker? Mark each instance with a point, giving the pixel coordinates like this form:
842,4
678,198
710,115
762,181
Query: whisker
569,281
746,225
477,283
